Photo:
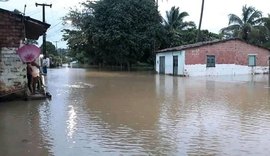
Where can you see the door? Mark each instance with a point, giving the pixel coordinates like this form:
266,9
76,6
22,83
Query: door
175,65
162,64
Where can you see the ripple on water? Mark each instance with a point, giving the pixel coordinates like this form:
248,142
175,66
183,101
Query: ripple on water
80,85
131,115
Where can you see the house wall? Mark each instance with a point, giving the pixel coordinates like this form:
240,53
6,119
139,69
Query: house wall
12,30
224,53
231,59
169,62
12,69
229,52
222,69
12,72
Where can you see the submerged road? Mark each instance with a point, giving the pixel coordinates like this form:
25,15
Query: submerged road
139,113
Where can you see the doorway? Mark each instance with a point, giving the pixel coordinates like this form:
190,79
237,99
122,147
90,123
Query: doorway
175,65
162,64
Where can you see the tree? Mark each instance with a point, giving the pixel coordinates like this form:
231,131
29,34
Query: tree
266,34
50,48
175,20
55,58
175,26
249,24
116,32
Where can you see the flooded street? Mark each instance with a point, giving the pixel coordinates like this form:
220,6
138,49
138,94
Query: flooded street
140,113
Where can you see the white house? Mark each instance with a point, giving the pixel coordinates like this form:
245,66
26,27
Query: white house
219,57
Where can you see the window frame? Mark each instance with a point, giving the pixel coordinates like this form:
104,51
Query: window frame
255,60
211,58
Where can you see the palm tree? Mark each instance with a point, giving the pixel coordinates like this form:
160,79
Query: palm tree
265,33
250,23
175,26
175,20
200,23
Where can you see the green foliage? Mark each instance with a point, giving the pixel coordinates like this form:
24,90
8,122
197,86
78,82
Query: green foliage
175,27
265,33
50,49
179,32
51,52
115,32
245,27
126,32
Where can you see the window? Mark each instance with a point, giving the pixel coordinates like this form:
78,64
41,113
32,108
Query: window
252,60
211,61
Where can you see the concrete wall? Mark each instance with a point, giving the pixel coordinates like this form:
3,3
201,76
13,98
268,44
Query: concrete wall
12,70
223,69
169,62
231,59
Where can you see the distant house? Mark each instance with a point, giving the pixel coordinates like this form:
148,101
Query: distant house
220,57
15,28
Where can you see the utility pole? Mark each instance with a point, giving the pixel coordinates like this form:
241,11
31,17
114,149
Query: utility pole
44,34
59,51
24,10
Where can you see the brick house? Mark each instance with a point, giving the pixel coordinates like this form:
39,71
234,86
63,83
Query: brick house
14,29
219,57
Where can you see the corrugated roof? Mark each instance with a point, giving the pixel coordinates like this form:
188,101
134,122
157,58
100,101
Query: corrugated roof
34,28
199,44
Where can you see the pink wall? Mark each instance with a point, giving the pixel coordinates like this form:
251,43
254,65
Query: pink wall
228,52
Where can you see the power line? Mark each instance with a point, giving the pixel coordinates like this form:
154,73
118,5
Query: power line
55,25
44,35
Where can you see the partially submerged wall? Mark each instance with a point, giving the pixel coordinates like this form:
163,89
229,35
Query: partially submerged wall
12,72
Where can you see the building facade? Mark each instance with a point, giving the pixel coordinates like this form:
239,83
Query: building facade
14,29
221,57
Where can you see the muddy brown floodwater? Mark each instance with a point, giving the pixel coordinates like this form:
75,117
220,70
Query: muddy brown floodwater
139,113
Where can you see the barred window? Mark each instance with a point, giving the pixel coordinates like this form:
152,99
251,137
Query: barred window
211,61
251,60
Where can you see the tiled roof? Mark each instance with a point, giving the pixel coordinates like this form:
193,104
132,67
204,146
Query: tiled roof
199,44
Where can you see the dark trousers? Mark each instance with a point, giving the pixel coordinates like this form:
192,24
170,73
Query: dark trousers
29,82
44,68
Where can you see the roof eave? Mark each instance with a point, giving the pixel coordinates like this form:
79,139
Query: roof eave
33,28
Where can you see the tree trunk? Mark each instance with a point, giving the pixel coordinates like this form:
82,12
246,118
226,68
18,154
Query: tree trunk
200,23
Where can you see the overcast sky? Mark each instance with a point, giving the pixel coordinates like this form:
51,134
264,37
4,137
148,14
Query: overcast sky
215,12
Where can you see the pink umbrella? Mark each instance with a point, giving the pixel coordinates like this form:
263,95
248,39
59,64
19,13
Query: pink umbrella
28,53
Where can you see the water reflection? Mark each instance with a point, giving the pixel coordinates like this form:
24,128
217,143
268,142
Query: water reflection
71,121
19,129
213,114
140,113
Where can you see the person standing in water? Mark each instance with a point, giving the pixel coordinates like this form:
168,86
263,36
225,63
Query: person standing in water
35,73
45,64
29,76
